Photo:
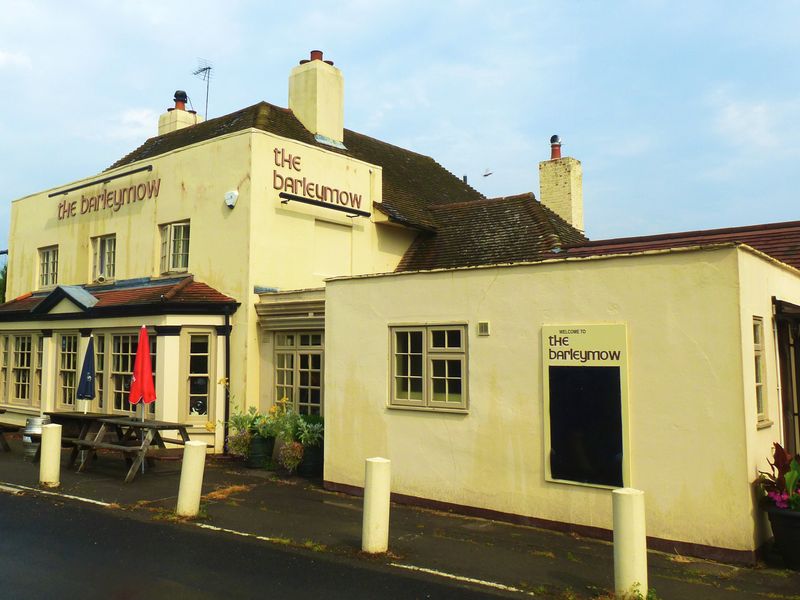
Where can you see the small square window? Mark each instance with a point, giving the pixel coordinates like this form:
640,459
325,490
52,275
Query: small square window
429,367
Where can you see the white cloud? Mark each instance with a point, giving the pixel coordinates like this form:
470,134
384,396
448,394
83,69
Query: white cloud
14,60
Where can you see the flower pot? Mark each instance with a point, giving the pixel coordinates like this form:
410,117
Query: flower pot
786,529
313,459
260,452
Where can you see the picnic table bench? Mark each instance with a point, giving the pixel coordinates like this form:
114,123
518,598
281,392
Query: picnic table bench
6,428
133,439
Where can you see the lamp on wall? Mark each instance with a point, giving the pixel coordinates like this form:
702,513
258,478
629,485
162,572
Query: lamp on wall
231,198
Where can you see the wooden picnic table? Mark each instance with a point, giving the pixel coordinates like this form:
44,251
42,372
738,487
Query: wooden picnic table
76,426
133,439
3,428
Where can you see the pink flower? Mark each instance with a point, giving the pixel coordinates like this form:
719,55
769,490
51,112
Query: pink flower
781,499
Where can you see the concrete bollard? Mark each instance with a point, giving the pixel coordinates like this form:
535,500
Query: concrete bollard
377,489
194,463
50,456
630,541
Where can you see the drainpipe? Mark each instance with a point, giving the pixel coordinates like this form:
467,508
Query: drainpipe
227,377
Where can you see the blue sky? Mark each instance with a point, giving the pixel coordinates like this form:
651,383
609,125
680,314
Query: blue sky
685,115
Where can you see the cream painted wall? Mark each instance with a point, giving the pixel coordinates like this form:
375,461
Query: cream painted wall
762,278
682,314
259,242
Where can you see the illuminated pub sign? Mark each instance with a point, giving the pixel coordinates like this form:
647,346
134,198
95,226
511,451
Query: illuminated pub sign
585,372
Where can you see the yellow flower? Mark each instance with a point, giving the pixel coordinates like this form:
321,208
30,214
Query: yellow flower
210,427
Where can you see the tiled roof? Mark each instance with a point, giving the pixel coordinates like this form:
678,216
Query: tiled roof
490,231
779,240
411,182
166,295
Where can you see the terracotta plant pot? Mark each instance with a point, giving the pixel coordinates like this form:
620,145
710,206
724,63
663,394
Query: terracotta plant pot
786,529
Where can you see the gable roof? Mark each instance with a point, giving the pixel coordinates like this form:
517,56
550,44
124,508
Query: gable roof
490,231
128,298
779,240
412,183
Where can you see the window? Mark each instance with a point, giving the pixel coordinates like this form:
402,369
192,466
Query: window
38,371
20,369
105,255
67,370
199,374
298,370
758,352
21,392
48,266
174,247
99,370
429,367
123,355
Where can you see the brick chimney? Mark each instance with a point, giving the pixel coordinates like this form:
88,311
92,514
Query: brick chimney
178,117
316,97
561,185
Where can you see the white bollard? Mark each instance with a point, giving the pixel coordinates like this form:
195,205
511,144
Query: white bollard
377,489
194,463
630,541
50,456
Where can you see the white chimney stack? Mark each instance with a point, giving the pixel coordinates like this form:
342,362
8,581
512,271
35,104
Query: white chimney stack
316,97
561,185
178,117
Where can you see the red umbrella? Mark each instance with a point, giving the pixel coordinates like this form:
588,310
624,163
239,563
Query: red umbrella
142,387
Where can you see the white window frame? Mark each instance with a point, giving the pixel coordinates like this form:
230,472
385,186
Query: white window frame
431,354
48,266
67,369
175,243
104,257
211,375
289,374
760,372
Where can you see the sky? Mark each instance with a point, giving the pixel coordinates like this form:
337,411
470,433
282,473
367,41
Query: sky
684,115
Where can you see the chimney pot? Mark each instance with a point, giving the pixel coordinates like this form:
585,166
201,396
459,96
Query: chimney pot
316,55
180,99
555,147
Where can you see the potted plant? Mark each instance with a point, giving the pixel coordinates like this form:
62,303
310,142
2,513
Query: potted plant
782,503
310,430
253,437
241,433
290,450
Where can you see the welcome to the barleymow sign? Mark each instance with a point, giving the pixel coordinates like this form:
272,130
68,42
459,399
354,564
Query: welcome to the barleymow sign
585,377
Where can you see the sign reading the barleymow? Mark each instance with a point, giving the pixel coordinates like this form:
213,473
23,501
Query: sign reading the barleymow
291,182
109,199
586,404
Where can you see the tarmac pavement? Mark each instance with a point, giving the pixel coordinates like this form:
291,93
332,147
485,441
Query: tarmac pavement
499,557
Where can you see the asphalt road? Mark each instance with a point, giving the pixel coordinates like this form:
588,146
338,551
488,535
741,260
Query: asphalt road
55,549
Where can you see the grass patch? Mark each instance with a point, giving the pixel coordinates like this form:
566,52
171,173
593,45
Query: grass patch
222,493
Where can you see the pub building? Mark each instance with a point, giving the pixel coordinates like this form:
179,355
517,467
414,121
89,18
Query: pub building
506,365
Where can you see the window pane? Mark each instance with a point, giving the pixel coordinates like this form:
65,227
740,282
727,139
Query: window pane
416,342
416,365
438,339
453,338
198,385
439,368
402,342
198,344
198,364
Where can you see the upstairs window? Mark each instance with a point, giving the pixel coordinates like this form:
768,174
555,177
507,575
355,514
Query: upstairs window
175,247
105,257
48,266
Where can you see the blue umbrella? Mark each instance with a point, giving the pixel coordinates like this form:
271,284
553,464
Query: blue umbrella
86,383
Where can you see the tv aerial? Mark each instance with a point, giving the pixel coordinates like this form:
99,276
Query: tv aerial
203,71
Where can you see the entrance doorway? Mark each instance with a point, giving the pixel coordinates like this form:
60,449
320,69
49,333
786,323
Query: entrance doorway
788,322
